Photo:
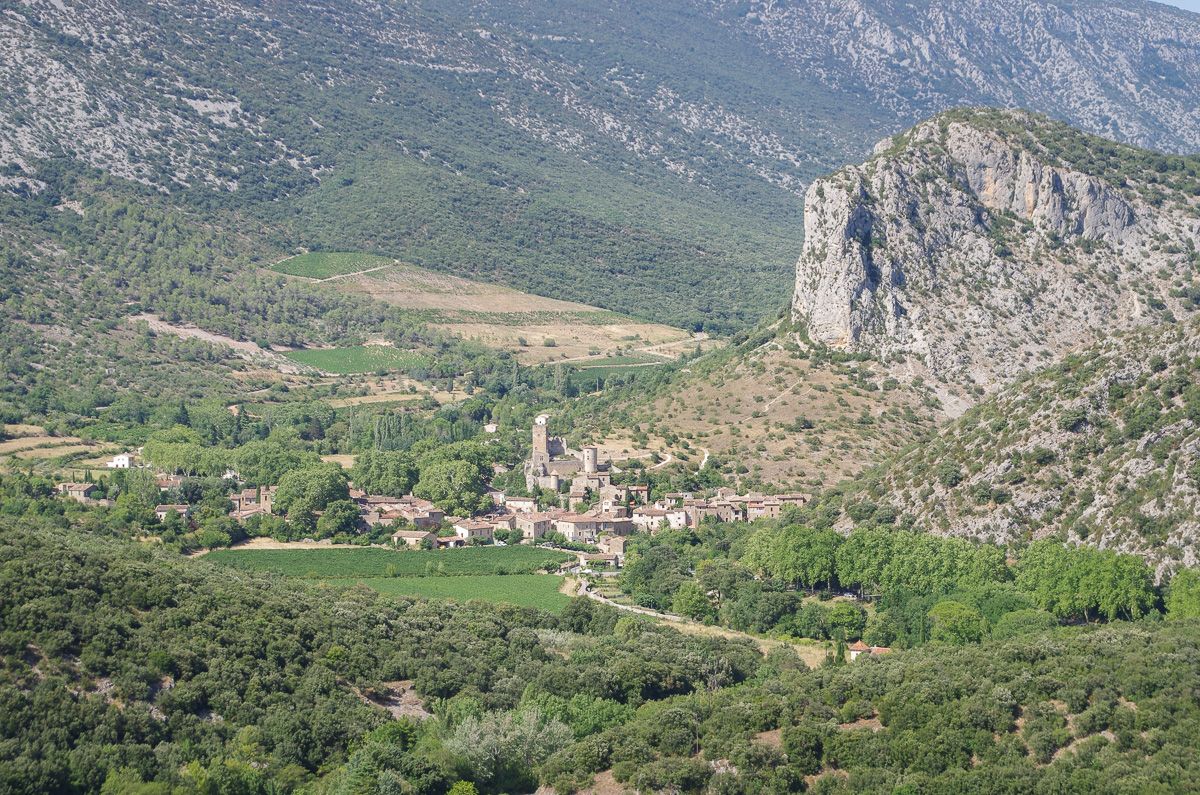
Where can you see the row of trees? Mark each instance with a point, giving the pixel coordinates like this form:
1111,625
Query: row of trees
764,578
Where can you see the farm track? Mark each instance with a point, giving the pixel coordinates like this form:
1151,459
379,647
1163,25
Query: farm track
812,655
337,276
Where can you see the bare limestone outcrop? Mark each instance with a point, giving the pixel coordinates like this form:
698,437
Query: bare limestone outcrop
982,244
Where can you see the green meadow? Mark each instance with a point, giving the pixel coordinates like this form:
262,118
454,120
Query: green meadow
522,590
357,359
372,562
326,264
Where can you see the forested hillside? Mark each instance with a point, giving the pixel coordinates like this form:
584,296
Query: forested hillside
643,157
1099,449
123,665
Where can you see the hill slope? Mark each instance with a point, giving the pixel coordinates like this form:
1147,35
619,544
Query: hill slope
983,243
1102,449
641,157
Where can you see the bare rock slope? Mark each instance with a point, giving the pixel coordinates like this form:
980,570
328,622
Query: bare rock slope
981,244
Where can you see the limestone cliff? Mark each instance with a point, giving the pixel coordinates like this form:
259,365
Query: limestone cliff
983,243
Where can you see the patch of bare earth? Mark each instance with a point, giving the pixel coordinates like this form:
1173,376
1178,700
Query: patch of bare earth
511,320
871,724
270,543
398,698
241,348
772,739
390,390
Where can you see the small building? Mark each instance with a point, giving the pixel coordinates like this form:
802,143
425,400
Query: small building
422,514
650,519
163,511
80,492
247,503
413,538
577,499
858,648
639,495
614,524
534,526
450,542
502,523
168,482
613,545
122,461
471,529
520,504
576,527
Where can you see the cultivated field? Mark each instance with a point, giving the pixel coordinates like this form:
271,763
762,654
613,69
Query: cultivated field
370,562
498,317
356,359
329,264
522,590
32,443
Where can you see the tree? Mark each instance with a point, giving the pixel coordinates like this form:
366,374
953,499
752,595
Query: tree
1022,622
304,491
386,472
691,601
501,748
957,623
263,462
848,618
1183,595
794,554
454,486
340,516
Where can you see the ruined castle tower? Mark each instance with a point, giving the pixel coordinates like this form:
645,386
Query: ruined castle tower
591,460
541,443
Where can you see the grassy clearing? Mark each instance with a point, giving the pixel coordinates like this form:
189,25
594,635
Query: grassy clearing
326,264
522,590
357,359
585,379
371,562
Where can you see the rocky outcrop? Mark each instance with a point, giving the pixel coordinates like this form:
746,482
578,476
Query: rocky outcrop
975,246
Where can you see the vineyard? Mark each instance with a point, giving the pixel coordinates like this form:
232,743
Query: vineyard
374,562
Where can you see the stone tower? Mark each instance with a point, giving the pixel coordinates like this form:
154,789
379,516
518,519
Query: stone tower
541,443
591,460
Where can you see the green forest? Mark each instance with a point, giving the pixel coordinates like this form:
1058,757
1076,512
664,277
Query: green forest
129,669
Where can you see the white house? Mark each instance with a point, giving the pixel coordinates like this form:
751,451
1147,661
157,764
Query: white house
121,461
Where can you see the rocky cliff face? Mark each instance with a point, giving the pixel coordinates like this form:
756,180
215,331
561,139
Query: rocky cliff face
981,244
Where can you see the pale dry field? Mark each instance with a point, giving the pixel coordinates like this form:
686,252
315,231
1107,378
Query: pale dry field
746,413
23,430
398,389
27,442
530,316
416,288
573,341
56,451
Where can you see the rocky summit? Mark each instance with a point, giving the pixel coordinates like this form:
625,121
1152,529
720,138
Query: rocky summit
981,244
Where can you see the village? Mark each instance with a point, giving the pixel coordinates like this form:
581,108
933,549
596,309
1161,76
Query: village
594,515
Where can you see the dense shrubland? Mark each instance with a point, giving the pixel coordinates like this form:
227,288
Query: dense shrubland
124,664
